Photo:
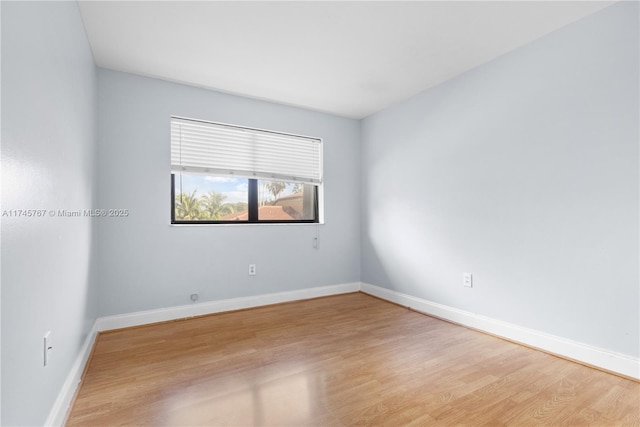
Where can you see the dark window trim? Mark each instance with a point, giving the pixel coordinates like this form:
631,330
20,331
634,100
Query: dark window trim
253,200
253,209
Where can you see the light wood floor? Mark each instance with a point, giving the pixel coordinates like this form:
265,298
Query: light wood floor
338,361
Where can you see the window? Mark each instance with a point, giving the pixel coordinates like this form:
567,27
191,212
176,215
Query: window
224,174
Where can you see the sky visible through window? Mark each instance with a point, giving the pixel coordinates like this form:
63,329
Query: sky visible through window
220,198
235,189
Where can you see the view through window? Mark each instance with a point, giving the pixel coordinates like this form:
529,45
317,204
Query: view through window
206,198
223,173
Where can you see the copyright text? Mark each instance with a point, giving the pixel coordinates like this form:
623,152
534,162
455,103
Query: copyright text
65,213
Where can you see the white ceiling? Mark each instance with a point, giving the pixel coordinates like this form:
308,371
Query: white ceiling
350,58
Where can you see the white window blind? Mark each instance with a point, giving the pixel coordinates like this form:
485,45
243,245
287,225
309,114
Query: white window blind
218,149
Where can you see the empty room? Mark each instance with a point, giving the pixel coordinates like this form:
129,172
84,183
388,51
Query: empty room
331,213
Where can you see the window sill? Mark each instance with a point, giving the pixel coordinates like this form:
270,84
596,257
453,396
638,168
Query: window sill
250,224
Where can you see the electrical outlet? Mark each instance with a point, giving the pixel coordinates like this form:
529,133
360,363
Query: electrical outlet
252,269
47,347
467,280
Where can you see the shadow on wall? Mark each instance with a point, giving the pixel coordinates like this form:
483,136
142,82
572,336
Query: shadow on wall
408,252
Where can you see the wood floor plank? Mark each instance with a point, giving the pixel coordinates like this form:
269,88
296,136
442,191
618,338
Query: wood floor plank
346,360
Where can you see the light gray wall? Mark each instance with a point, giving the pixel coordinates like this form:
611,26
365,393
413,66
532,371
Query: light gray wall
145,263
49,133
524,172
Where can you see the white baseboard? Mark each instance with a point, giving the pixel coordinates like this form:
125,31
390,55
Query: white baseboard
57,415
61,406
185,311
607,360
610,361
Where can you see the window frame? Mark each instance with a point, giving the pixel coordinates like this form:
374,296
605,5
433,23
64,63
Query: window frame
252,205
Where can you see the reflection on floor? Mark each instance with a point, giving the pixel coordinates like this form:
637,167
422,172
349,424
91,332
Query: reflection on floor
249,404
343,360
